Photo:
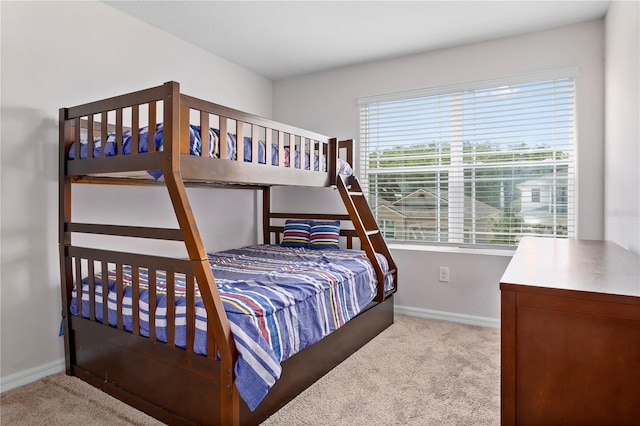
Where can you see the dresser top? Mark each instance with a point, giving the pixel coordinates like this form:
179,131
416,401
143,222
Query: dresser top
601,267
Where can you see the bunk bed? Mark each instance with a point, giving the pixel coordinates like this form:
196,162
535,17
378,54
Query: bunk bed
170,339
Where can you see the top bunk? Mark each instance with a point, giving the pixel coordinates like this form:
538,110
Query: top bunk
188,144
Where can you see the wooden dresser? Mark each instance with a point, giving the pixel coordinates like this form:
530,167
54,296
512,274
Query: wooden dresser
570,334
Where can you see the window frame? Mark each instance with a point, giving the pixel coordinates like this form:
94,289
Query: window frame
456,233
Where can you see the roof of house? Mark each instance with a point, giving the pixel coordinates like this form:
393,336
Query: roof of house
423,204
546,180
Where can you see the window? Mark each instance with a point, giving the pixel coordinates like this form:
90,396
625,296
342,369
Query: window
387,227
535,195
477,164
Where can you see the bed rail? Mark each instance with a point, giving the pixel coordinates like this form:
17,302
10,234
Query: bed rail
96,264
237,147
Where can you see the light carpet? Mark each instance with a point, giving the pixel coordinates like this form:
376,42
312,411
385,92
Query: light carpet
417,372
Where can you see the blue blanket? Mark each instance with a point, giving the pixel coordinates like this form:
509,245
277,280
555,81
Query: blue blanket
278,301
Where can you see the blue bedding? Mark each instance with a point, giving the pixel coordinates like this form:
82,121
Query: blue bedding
195,147
278,301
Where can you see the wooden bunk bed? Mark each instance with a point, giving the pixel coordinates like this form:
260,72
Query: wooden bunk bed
173,384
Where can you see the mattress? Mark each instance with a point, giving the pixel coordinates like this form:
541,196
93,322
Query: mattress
278,301
195,147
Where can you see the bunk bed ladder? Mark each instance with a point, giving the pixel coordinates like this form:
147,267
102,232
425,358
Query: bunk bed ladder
371,238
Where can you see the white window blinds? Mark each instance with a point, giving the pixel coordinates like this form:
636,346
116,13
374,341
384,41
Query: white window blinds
482,165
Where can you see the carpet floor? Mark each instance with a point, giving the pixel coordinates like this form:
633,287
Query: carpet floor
417,372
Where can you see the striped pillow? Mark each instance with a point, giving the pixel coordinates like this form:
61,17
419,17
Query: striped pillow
325,235
297,233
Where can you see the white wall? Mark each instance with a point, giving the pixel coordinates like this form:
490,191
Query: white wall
326,102
622,125
60,54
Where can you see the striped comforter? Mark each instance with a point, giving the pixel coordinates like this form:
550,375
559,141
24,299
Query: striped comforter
278,301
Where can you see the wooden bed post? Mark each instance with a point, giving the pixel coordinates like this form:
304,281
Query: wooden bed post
266,215
64,237
332,160
218,327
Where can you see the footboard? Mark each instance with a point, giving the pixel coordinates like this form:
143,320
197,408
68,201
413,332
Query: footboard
139,318
171,385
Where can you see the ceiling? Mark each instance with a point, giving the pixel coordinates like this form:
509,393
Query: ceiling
282,39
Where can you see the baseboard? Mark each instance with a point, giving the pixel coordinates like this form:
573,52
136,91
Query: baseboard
448,316
31,375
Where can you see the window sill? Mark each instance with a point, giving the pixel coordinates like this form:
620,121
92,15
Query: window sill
452,249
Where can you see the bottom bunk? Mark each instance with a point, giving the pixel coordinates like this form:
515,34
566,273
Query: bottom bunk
183,390
295,313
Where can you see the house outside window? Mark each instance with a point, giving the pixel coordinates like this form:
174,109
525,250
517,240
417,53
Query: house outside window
477,164
535,195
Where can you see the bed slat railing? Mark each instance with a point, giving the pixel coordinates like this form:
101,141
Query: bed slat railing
239,141
153,305
136,265
301,161
76,147
191,312
171,311
135,124
281,161
268,135
219,110
122,114
119,296
296,140
104,131
204,133
105,291
119,141
90,131
112,117
135,299
255,146
223,131
78,278
153,122
91,279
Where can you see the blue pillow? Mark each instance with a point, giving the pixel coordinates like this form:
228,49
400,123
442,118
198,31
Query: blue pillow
325,235
297,233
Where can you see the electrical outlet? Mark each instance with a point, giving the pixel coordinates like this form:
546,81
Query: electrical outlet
444,274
